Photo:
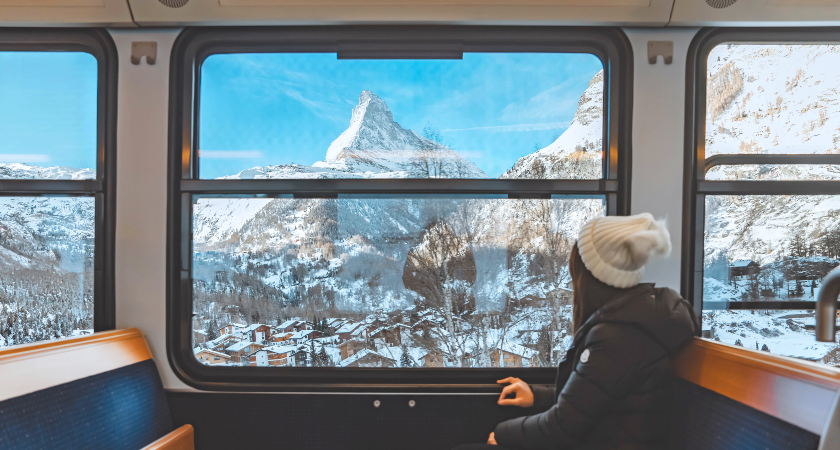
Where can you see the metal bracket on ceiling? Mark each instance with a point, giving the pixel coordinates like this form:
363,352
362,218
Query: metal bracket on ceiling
141,49
664,48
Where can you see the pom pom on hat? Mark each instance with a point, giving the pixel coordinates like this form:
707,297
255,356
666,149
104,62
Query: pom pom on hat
616,248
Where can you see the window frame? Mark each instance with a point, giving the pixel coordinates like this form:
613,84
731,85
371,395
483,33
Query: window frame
99,44
195,44
696,187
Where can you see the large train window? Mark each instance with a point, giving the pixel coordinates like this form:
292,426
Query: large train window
765,203
56,178
357,199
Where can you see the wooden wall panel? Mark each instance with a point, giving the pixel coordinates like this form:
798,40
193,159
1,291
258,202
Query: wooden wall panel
796,391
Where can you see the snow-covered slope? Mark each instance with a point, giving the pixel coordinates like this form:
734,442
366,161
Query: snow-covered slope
29,172
375,146
771,99
577,152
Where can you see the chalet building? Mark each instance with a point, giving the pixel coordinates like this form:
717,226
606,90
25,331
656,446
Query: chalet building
391,335
211,357
276,355
431,359
304,336
514,355
220,343
368,358
282,336
350,348
744,267
290,326
232,328
241,350
346,332
199,337
257,332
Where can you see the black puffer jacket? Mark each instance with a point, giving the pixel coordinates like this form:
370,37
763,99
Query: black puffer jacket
612,390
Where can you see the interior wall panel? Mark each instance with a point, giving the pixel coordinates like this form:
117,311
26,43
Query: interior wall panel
658,111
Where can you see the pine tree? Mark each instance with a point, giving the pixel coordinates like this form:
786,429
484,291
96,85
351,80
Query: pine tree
738,343
323,358
405,359
313,357
211,331
765,348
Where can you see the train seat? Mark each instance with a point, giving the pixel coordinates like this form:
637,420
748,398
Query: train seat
100,391
728,397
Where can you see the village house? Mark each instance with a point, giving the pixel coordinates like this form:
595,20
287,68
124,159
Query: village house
303,336
199,337
346,331
744,267
275,355
220,343
257,332
391,335
232,328
368,358
514,355
290,326
282,336
350,348
211,357
242,349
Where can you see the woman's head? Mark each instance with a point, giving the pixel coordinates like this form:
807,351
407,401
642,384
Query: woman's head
609,258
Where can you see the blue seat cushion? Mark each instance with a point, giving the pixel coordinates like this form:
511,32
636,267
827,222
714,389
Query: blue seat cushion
122,409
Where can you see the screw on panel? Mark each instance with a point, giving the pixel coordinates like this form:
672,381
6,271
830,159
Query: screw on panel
376,403
411,403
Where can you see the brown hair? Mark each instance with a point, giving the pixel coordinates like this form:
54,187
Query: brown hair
590,293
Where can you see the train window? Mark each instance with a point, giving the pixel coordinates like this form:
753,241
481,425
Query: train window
56,91
378,200
767,130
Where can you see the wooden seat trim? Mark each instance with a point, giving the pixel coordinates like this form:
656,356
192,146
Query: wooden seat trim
32,367
182,438
796,391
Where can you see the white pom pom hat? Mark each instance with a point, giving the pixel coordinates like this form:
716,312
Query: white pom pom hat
616,248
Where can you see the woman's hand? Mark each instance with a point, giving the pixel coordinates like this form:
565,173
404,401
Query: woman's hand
524,397
492,439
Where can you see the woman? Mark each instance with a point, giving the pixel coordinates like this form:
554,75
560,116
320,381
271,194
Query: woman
611,391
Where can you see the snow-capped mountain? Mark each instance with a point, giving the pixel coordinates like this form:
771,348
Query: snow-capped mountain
576,153
22,171
375,146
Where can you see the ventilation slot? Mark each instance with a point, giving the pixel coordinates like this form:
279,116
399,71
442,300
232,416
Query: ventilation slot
180,3
718,4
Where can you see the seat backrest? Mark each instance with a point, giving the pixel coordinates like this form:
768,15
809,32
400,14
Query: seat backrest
729,397
100,391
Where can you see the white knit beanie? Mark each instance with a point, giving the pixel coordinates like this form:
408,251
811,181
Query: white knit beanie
616,248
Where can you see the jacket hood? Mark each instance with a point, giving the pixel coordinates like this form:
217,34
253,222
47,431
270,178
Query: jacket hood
661,312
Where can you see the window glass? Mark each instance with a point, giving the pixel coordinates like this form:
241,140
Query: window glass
783,332
772,98
769,248
488,115
46,268
48,115
775,172
367,281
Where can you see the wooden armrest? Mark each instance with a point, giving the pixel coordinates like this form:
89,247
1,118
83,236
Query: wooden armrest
180,439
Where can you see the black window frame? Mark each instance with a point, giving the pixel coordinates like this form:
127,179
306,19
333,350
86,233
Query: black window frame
99,44
193,45
696,187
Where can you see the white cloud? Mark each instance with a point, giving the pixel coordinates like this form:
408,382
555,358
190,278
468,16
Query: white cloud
555,101
230,154
24,158
519,127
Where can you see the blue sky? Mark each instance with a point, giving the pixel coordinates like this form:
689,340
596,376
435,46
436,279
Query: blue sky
48,108
261,109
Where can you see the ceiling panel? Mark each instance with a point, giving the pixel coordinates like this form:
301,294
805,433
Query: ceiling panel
111,13
757,13
500,12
